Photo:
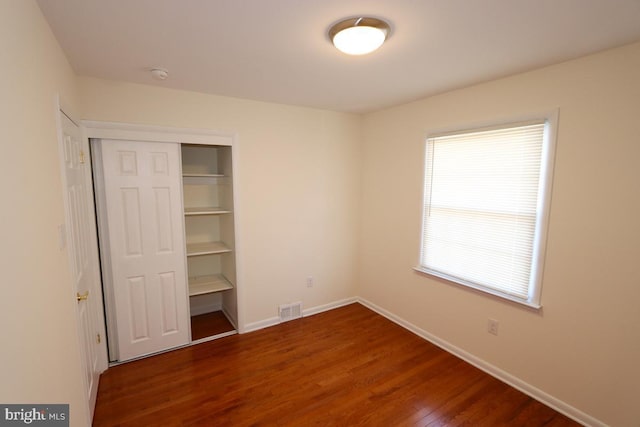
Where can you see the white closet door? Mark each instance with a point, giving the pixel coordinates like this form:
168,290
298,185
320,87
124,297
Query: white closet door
146,241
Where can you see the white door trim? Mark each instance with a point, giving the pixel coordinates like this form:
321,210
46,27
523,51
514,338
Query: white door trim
134,132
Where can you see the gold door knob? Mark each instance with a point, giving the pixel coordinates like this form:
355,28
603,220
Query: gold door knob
82,297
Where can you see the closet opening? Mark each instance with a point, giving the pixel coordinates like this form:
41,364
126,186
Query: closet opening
210,241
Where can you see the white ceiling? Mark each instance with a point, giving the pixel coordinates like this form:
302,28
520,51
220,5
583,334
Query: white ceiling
278,50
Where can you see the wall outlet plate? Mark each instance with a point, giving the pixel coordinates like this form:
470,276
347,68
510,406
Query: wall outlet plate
492,326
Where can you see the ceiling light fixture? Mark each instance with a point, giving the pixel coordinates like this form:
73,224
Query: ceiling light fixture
359,36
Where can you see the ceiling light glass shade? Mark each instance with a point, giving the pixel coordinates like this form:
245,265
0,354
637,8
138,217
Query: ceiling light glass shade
359,36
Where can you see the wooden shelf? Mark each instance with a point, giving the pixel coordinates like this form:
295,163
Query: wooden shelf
209,210
202,175
195,249
204,179
208,284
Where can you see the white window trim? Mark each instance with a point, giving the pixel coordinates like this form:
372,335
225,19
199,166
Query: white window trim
544,205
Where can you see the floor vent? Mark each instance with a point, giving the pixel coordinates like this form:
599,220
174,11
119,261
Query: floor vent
290,311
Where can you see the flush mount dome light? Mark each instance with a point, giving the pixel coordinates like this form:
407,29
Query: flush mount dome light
359,36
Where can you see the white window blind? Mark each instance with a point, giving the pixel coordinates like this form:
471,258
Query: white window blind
483,204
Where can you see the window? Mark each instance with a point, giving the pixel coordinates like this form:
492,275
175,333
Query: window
486,195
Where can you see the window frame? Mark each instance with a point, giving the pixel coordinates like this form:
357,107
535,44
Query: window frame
543,208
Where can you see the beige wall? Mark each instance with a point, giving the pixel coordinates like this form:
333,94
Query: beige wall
583,347
298,186
39,352
304,212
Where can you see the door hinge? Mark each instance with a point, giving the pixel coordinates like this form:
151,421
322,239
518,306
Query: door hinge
81,156
98,339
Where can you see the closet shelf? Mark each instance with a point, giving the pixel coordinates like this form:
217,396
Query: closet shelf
209,210
208,284
195,249
205,179
203,175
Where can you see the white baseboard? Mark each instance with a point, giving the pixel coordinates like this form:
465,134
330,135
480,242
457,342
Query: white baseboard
528,389
272,321
261,324
330,306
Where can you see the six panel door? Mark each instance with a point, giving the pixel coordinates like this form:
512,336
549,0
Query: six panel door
146,245
83,252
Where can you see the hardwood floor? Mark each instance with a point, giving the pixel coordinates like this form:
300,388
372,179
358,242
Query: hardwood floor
345,367
209,324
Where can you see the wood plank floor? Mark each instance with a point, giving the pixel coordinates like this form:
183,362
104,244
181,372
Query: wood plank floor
344,367
209,324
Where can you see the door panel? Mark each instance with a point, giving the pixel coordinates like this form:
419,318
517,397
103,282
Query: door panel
146,241
132,222
169,303
164,230
137,305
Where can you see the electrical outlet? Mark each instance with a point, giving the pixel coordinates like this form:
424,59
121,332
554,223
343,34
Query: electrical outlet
309,282
492,326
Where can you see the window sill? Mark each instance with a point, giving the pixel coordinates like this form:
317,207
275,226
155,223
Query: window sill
467,285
